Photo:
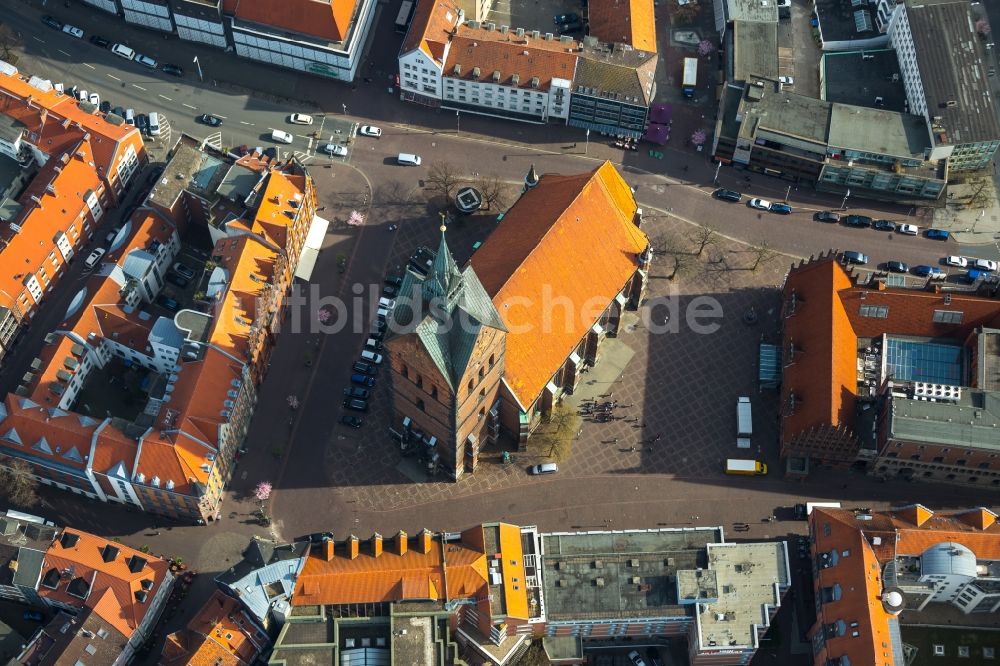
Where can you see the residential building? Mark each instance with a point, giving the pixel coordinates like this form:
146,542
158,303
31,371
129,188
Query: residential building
891,377
729,12
464,365
876,572
455,55
872,152
222,633
847,26
23,541
174,453
942,60
264,579
110,597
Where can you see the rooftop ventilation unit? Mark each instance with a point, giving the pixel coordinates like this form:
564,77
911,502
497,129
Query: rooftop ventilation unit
937,391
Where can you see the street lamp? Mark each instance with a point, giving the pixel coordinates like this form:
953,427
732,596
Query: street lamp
843,204
344,107
198,62
787,193
715,179
458,122
586,149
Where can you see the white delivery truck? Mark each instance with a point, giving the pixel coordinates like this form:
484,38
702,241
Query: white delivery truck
748,467
744,422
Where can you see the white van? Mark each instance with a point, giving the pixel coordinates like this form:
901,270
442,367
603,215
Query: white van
371,357
386,303
123,51
130,117
408,159
154,124
544,468
279,136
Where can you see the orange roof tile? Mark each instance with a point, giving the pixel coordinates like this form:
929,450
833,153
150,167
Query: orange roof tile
536,254
629,22
481,48
46,433
113,586
431,28
918,514
221,634
328,19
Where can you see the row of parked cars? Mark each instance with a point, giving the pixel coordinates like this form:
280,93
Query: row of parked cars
365,369
147,124
120,50
865,222
977,268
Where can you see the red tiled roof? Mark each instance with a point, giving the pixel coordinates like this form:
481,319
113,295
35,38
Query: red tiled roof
221,634
480,48
328,19
564,227
112,585
46,433
624,22
431,28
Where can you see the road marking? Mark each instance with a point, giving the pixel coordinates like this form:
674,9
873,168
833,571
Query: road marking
223,117
189,106
243,122
38,40
139,87
64,53
165,97
88,65
114,77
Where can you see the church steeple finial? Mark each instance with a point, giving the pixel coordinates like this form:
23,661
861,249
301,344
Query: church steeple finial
531,179
445,277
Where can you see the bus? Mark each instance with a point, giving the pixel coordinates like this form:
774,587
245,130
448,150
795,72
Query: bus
690,76
404,17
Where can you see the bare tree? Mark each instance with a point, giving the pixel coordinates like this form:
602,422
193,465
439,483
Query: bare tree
18,482
443,178
495,192
762,254
9,41
670,246
703,236
981,194
555,437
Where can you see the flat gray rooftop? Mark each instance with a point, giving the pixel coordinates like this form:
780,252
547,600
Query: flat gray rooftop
972,422
619,574
189,169
755,50
988,359
859,77
417,645
10,128
788,117
752,10
867,130
949,58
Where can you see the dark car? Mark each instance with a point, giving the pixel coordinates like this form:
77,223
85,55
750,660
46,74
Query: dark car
363,380
781,208
355,392
142,121
351,421
33,616
389,291
394,280
177,280
727,195
173,70
184,269
827,216
210,120
378,326
884,225
105,107
563,19
118,111
365,368
858,221
356,405
567,28
52,22
799,512
852,257
937,234
897,267
168,303
97,40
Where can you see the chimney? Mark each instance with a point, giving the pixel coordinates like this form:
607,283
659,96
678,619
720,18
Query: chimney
376,544
352,547
426,538
401,542
328,545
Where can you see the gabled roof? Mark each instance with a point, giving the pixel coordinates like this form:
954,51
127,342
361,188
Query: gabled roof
221,634
624,22
565,227
478,49
328,19
431,28
628,77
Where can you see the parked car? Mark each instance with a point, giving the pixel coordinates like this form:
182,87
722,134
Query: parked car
81,94
972,275
389,291
379,326
985,265
105,107
635,658
954,260
111,235
362,379
52,22
567,28
210,120
858,221
32,616
852,257
759,204
781,208
300,119
907,229
394,280
94,99
97,40
142,121
172,70
145,61
93,258
827,216
335,149
351,421
897,267
932,272
118,111
727,195
884,225
177,280
73,30
279,136
356,405
544,468
562,19
168,303
937,234
365,368
184,270
369,130
355,392
800,512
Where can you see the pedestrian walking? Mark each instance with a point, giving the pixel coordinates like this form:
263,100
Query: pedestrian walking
657,438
